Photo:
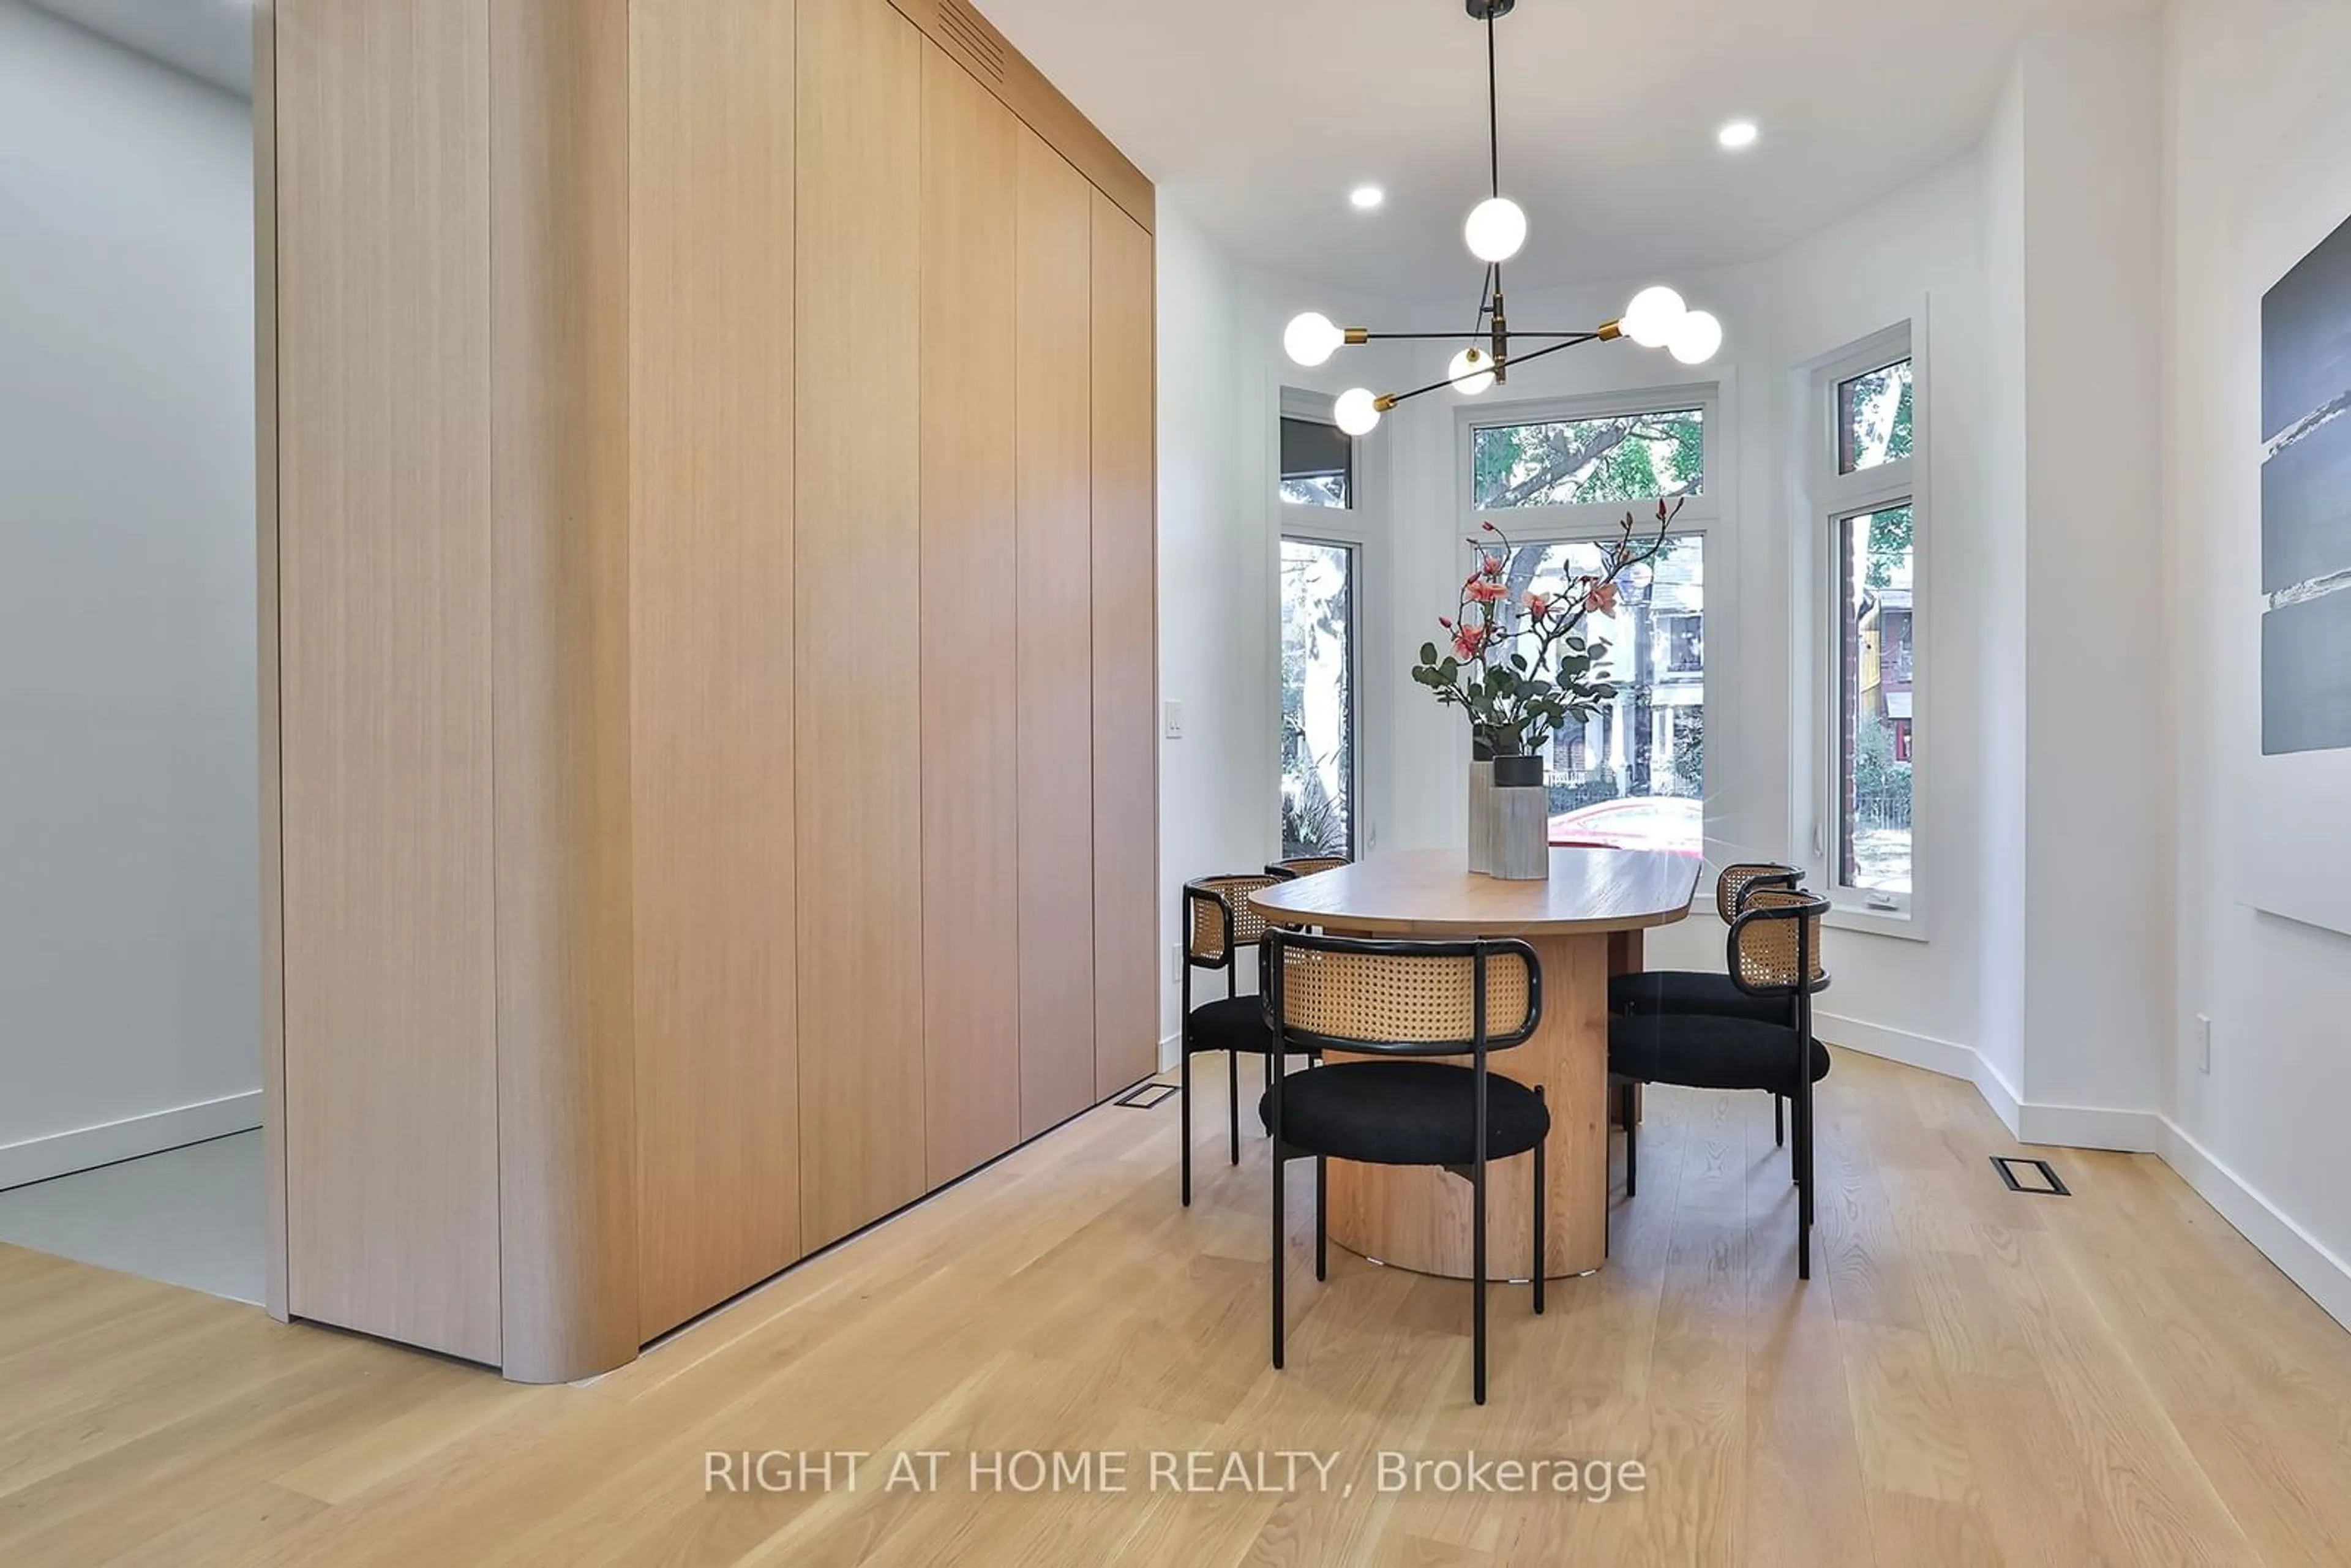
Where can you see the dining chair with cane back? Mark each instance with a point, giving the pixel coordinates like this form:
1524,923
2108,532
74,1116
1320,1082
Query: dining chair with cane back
1218,925
1402,1004
1774,953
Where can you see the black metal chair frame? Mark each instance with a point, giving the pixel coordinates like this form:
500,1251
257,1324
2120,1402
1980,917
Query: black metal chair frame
1288,870
1800,1003
1478,1048
1199,891
1785,877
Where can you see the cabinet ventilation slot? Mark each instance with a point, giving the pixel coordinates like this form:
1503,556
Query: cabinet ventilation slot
977,41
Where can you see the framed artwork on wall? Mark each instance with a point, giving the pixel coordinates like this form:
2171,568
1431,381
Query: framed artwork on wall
2303,807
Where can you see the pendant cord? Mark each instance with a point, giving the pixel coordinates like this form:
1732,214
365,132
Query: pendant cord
1493,113
1494,156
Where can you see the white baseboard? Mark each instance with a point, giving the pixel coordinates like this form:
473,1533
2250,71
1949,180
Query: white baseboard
60,1153
2300,1256
2089,1127
2069,1126
1997,1093
1919,1051
1169,1047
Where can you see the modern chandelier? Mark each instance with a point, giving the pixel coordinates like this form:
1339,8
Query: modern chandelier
1495,232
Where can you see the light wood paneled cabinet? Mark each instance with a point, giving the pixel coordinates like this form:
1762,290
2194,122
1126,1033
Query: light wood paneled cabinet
1125,653
708,645
1053,410
857,529
969,754
712,653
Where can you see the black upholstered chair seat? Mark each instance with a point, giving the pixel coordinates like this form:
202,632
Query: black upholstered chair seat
1232,1023
1405,1114
1698,1051
1692,991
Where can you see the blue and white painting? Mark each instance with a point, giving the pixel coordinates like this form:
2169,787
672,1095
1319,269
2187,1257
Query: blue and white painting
2307,505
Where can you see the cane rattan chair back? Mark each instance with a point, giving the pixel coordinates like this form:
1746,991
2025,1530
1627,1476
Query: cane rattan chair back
1221,921
1775,946
1737,882
1306,865
1405,999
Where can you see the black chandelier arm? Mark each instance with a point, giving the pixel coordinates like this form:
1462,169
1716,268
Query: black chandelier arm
1371,337
1574,339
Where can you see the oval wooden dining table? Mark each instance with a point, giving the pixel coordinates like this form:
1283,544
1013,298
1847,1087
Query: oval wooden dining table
1584,923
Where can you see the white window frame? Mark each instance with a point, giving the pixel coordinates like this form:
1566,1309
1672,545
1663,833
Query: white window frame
1590,519
1831,499
1702,518
1356,526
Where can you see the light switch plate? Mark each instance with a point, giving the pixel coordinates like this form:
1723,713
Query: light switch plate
2203,1044
1172,719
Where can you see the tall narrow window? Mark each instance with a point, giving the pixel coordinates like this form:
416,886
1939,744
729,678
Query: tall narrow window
1318,698
1876,604
1317,464
1866,491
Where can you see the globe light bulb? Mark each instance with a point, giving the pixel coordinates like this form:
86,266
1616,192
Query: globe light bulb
1698,338
1357,412
1652,316
1495,229
1472,371
1310,339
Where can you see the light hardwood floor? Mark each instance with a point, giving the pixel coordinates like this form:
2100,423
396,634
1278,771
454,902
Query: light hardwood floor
1972,1376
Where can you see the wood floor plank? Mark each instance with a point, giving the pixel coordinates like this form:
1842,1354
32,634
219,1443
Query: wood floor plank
1972,1376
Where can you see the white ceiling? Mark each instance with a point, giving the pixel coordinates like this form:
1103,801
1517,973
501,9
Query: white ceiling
212,40
1257,116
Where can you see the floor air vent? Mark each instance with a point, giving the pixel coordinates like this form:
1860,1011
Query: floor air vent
2038,1177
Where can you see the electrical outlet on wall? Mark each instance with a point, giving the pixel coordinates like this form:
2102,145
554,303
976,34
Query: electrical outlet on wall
1171,715
2203,1044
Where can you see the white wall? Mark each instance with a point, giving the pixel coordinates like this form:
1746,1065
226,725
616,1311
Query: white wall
1210,657
2096,1028
2256,121
1916,256
128,865
1997,656
1221,374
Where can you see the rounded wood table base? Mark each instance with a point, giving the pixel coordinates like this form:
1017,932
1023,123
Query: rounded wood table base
1583,924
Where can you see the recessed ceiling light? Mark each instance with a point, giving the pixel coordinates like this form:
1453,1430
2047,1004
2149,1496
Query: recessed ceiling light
1739,133
1366,197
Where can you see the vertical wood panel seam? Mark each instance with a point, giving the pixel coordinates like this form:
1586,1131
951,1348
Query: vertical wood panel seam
921,396
279,1265
490,666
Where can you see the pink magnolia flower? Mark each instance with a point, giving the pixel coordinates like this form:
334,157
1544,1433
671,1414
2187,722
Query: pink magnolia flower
1601,600
1491,563
1538,604
1469,642
1487,589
